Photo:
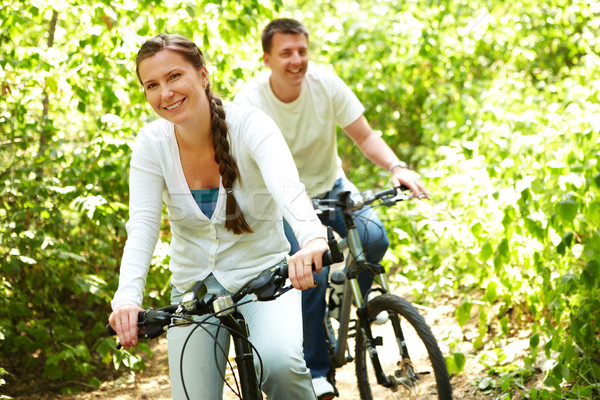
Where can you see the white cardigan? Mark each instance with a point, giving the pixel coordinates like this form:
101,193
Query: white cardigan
269,187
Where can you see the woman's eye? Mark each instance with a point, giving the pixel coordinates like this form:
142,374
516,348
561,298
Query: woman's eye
151,86
175,76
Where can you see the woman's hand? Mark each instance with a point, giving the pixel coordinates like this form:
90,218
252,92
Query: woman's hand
300,264
124,321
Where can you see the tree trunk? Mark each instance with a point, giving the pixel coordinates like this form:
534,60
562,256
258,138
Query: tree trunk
44,134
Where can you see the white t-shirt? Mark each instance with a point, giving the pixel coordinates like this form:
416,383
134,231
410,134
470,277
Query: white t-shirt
269,188
309,123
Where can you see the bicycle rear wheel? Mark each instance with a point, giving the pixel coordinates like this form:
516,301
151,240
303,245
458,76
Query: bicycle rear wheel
423,376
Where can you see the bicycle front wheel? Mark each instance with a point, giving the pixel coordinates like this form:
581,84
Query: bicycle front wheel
422,376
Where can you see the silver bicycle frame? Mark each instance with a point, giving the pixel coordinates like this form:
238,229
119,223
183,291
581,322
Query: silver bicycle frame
356,254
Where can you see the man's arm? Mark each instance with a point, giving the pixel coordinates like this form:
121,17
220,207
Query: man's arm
376,150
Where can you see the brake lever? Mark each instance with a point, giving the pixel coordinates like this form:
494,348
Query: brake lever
273,287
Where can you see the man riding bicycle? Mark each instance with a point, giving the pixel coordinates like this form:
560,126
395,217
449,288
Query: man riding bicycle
308,103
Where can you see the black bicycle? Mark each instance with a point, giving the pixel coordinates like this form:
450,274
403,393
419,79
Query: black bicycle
267,286
396,355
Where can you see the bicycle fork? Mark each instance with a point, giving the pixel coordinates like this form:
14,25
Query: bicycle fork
237,327
360,264
400,377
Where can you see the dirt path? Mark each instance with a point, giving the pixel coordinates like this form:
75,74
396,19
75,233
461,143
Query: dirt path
153,383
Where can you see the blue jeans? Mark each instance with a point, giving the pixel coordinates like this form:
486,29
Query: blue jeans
375,242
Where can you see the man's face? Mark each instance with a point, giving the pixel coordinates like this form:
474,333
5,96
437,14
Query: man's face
288,58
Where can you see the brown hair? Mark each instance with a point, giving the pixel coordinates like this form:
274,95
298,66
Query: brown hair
281,25
234,219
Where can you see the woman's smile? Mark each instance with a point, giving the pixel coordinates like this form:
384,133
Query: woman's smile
175,106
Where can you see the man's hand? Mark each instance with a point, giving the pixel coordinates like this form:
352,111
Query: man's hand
410,179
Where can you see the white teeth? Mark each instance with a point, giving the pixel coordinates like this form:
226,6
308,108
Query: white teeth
295,71
171,107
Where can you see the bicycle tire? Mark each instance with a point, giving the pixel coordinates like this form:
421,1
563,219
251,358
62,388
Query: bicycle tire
425,355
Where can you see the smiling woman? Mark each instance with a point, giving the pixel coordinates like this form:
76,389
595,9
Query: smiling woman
169,81
195,158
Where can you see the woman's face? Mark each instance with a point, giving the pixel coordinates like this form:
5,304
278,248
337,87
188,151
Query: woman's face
174,88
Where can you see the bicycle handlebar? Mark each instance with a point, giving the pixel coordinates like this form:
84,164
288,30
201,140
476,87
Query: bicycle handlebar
348,202
268,285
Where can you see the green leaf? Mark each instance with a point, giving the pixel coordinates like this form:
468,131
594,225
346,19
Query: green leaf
560,248
534,227
503,248
568,238
459,361
596,371
476,228
51,84
597,180
450,366
491,293
504,325
590,274
534,341
463,312
593,213
567,209
486,251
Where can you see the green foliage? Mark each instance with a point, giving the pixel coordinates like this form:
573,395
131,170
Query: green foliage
498,107
69,111
495,103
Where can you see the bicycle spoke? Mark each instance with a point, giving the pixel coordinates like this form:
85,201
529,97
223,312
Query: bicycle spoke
412,378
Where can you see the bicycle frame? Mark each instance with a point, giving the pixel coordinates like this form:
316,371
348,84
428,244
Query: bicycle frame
355,264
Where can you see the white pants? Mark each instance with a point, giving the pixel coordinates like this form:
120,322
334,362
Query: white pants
276,332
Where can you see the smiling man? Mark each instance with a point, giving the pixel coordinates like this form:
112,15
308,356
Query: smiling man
308,103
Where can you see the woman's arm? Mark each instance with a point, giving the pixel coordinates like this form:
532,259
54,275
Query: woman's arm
146,184
274,159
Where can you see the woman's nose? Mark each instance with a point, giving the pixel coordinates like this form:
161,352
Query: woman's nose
167,91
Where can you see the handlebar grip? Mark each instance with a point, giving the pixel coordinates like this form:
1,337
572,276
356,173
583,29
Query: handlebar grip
328,259
110,331
387,192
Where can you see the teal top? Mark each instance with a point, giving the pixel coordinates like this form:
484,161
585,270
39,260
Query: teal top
206,200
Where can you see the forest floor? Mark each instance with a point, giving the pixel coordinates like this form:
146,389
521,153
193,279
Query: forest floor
474,382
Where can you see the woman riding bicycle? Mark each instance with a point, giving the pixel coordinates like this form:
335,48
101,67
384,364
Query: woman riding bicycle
227,178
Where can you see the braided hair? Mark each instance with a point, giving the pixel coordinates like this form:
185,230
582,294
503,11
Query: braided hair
228,169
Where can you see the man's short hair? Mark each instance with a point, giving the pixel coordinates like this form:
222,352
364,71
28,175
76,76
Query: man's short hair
281,25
